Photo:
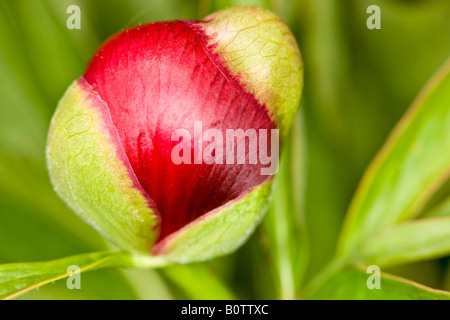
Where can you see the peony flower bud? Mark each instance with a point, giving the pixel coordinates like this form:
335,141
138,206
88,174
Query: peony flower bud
167,144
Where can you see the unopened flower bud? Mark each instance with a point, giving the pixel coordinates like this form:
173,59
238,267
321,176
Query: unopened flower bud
169,141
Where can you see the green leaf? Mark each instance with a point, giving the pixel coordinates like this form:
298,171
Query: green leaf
18,278
350,283
412,164
101,284
409,242
442,210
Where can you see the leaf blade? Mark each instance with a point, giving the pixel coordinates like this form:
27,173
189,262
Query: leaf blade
350,283
414,161
442,210
18,278
409,242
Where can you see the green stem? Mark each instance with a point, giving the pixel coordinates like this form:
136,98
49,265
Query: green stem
329,270
147,262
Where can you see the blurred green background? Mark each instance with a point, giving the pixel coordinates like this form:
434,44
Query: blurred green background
358,84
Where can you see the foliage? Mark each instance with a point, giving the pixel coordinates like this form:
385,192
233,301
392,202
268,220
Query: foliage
348,192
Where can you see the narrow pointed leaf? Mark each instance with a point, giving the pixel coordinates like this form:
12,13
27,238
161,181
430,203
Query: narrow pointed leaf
443,209
18,278
351,284
409,242
412,164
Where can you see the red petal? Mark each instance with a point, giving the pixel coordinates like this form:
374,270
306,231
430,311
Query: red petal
161,77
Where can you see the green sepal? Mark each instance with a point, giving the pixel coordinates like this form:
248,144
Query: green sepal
258,48
218,232
91,173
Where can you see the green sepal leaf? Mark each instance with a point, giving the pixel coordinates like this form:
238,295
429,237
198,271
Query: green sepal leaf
218,232
91,172
259,48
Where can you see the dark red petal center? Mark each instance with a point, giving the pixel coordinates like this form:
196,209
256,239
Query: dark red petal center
158,78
